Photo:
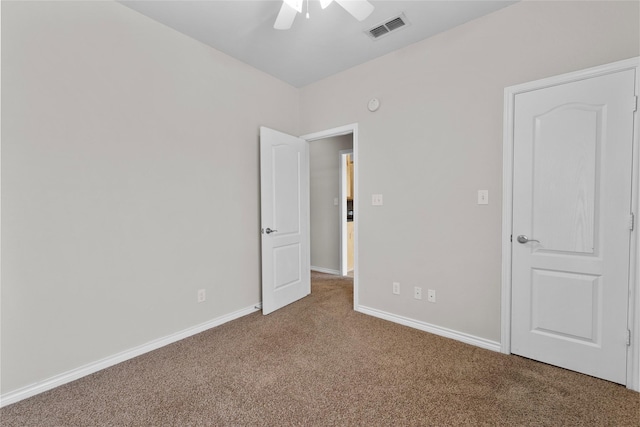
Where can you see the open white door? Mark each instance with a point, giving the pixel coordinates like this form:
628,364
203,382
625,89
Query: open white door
284,182
572,224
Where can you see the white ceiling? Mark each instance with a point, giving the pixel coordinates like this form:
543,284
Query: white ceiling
329,42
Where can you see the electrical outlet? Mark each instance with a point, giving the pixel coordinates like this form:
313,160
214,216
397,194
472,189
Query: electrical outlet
396,288
417,292
431,295
202,295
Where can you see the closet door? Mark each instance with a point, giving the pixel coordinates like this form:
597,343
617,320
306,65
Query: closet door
571,224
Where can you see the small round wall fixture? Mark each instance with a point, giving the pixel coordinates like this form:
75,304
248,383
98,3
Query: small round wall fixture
373,104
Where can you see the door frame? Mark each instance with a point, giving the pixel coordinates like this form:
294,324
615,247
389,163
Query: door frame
633,322
339,131
342,211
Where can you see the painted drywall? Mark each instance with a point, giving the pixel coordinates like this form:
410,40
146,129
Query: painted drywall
324,182
130,179
437,139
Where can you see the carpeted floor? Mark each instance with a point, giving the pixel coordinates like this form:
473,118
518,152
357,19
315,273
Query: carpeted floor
318,363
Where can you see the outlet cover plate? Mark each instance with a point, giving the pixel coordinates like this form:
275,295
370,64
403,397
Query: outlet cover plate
431,295
483,197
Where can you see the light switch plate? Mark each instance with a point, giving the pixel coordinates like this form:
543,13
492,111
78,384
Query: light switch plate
483,197
376,199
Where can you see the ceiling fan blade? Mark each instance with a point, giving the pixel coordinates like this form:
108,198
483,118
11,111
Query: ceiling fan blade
360,9
285,18
296,4
325,3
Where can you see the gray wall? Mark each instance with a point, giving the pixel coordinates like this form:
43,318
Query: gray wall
324,179
129,181
437,139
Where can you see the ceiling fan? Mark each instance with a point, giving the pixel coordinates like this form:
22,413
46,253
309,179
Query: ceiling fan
360,9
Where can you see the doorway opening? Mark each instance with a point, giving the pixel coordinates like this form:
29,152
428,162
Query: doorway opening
336,262
346,212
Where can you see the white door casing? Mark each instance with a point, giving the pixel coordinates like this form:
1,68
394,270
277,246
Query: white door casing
284,188
572,145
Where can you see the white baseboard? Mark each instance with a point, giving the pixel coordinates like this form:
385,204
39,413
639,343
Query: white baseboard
74,374
433,329
325,270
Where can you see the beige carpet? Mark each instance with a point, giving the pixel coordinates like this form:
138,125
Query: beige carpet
318,363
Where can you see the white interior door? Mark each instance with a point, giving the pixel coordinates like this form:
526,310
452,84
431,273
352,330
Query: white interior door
572,200
284,182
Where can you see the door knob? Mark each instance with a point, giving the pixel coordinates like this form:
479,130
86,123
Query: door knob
524,239
269,231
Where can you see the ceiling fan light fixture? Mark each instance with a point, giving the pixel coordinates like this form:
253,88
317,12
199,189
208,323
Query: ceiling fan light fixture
359,9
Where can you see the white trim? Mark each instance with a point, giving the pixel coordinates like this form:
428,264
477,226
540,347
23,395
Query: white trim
74,374
345,130
433,329
601,70
340,130
325,270
633,356
507,221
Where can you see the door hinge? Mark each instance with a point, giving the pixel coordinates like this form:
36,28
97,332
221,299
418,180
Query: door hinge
634,104
511,238
632,221
628,337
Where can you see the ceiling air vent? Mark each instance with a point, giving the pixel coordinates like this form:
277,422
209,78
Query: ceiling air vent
388,26
378,31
